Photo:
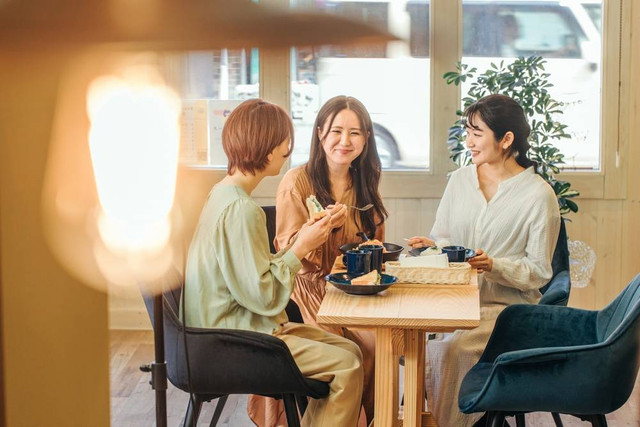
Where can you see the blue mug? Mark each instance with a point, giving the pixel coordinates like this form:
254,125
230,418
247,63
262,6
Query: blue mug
455,253
376,256
358,262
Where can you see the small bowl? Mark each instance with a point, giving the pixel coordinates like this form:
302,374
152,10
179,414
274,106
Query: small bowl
342,281
392,253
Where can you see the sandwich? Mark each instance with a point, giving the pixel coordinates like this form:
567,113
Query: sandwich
371,278
316,211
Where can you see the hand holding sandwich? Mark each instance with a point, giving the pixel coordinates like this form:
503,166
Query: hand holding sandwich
312,234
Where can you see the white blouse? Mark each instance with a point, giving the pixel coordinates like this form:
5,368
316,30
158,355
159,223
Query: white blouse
518,228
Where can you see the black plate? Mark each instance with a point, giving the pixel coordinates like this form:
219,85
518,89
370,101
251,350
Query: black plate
342,281
392,254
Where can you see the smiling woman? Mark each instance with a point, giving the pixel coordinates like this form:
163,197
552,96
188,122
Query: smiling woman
343,170
501,208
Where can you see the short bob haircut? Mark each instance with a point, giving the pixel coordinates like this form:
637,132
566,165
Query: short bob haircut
252,131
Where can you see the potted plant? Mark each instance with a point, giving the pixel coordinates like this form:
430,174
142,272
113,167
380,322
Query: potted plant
525,81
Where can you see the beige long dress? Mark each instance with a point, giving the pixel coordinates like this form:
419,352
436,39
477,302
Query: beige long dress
518,228
309,288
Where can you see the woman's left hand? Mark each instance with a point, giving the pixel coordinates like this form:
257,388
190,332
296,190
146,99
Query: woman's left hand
338,214
481,261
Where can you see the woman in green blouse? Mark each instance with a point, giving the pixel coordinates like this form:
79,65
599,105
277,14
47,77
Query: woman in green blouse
233,281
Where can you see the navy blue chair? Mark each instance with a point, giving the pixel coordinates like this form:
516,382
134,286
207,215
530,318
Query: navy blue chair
556,291
557,359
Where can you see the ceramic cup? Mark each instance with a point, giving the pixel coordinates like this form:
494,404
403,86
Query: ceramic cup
376,256
357,261
455,253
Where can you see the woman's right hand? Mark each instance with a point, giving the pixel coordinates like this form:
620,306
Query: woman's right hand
338,214
420,242
311,235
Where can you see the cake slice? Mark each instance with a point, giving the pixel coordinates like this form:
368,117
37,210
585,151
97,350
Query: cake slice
371,278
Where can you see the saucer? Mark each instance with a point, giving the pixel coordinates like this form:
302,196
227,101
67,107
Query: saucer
342,281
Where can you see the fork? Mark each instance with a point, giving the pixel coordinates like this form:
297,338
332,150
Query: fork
364,208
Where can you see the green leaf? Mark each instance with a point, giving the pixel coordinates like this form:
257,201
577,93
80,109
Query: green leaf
573,206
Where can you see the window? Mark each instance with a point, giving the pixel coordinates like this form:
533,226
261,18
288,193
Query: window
391,80
564,35
395,81
211,84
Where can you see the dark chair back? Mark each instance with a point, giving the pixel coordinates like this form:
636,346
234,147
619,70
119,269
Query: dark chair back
270,212
618,313
557,290
292,309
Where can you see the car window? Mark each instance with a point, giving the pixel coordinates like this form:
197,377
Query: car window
595,13
523,30
419,35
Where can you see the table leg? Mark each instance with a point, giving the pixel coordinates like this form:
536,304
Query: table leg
414,348
386,398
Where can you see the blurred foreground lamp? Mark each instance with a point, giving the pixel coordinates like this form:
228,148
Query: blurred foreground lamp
111,171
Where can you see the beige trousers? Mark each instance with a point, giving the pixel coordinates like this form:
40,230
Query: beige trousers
308,294
324,356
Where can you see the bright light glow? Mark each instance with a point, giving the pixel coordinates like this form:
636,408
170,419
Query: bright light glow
134,141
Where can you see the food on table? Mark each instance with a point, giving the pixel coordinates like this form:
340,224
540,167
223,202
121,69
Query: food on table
372,278
316,211
374,242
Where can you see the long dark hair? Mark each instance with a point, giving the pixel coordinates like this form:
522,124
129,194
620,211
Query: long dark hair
365,170
503,114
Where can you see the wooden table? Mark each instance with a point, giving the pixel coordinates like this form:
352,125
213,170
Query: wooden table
400,317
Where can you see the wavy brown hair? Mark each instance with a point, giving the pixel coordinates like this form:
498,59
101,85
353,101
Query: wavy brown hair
365,170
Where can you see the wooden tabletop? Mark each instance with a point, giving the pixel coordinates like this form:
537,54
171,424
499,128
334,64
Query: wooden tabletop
436,308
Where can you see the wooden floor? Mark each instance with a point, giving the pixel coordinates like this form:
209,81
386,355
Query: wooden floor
133,400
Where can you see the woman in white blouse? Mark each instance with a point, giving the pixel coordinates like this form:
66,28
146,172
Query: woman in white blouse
509,214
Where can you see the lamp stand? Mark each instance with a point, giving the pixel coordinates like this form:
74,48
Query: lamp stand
158,368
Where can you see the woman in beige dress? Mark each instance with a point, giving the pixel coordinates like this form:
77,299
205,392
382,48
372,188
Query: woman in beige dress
343,170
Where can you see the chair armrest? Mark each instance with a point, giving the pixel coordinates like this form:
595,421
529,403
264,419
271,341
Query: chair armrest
536,355
557,290
525,326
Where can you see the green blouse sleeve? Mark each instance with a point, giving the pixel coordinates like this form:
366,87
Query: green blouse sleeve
259,281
